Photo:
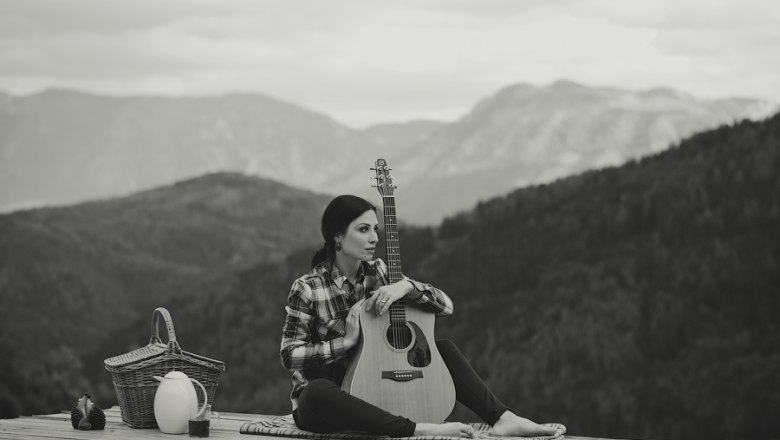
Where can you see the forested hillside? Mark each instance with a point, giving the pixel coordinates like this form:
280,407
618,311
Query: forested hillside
631,302
70,277
639,301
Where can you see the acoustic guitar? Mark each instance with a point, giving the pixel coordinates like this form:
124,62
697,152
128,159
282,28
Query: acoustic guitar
397,366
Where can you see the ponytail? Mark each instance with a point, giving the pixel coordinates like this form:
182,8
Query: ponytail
325,253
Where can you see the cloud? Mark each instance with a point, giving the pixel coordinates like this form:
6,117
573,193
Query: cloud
368,61
43,17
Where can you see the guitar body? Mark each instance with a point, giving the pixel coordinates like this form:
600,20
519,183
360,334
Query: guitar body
397,366
400,369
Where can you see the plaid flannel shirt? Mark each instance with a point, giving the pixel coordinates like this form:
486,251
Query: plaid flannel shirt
317,307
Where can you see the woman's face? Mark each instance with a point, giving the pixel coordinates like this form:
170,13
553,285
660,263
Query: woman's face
360,238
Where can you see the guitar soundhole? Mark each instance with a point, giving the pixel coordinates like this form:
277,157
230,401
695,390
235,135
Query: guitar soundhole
399,336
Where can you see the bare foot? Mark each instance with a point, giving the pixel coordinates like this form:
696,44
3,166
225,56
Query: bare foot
453,429
512,425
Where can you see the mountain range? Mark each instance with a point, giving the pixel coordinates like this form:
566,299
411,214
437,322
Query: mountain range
59,147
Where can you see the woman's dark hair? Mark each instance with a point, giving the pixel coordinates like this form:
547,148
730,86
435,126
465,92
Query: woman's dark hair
337,216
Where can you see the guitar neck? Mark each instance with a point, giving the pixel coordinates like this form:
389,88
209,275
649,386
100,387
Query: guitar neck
391,240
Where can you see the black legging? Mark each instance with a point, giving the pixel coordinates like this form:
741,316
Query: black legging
324,407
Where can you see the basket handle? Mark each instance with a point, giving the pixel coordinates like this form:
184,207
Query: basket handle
173,345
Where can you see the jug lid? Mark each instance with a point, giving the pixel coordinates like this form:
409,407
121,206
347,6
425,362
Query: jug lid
176,375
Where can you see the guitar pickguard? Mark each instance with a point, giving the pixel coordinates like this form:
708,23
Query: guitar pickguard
420,353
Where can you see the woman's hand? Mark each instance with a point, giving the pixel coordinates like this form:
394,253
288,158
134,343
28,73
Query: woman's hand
352,325
384,296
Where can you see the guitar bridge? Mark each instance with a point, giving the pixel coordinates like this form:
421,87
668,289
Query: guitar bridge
402,375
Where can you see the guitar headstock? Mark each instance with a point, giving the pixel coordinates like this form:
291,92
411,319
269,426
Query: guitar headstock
384,181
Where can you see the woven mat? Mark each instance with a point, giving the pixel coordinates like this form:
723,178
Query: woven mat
284,426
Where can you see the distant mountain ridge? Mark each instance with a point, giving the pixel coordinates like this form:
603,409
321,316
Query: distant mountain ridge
525,135
60,147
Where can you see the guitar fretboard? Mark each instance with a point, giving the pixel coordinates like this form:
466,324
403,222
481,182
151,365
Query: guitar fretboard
397,310
391,240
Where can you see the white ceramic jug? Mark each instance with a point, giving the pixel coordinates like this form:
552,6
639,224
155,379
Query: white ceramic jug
175,402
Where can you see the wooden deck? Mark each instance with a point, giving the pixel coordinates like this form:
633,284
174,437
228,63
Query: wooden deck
58,426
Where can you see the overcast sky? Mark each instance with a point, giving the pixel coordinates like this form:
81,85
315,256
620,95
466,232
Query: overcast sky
366,61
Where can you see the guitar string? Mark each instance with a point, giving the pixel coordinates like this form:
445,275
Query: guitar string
397,259
389,259
390,239
397,318
392,269
396,270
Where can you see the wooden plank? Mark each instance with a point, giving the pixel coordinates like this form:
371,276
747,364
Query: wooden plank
58,426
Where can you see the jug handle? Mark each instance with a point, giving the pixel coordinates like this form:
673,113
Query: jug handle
205,399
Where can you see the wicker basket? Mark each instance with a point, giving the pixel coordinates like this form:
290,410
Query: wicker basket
132,373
